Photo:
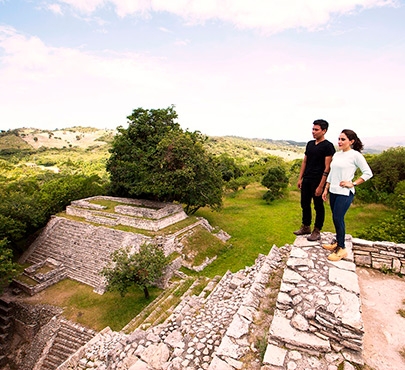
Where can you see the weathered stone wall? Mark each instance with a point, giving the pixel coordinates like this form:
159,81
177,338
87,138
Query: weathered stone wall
379,255
42,280
82,248
85,249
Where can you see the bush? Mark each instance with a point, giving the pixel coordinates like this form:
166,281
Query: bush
276,181
392,229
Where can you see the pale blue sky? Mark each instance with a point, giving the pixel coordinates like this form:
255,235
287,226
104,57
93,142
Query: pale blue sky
251,68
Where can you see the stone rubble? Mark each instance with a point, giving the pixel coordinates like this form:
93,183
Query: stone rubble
316,325
202,333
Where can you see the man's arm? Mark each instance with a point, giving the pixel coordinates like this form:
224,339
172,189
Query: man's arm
303,166
321,185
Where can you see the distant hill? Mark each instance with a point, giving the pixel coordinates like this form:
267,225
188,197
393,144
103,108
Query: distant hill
234,146
379,144
74,137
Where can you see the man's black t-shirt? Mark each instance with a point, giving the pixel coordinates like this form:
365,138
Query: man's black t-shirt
316,154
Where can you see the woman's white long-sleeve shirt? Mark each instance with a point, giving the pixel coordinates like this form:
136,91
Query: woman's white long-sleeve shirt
343,168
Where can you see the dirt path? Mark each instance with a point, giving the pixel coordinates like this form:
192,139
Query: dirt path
382,296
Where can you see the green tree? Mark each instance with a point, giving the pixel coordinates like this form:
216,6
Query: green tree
228,167
26,203
133,152
141,269
155,159
7,266
276,180
388,170
393,228
186,173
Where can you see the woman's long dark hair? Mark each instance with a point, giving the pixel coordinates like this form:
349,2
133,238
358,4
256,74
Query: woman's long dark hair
351,135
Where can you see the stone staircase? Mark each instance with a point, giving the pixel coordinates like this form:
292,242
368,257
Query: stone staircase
164,306
6,313
84,249
68,339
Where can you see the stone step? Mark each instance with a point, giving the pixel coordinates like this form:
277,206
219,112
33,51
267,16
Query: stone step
3,338
69,338
5,320
318,307
5,328
5,308
145,318
157,318
52,362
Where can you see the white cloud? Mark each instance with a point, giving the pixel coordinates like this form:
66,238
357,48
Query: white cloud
55,8
269,87
85,6
44,81
184,42
269,16
165,30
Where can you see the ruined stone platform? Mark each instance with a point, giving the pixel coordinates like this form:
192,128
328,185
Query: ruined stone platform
317,322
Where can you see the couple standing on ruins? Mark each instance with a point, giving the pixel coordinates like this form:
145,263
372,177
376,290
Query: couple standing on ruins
319,175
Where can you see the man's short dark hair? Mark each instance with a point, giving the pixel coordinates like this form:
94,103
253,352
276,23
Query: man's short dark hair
324,125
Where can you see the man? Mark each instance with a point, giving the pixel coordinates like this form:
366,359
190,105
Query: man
312,179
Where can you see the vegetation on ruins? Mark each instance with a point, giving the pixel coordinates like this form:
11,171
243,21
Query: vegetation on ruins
254,226
36,183
155,159
143,268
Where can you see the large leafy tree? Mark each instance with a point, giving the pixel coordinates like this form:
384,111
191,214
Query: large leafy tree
141,269
186,173
155,159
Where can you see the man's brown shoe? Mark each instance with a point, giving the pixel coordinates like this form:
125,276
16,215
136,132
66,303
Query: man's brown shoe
315,235
303,231
329,247
338,255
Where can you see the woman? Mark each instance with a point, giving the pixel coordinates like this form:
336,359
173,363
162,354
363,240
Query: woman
341,186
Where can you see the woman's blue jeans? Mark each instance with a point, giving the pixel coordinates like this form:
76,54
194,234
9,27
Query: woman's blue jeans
339,204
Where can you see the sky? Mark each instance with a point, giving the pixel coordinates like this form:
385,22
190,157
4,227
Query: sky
249,68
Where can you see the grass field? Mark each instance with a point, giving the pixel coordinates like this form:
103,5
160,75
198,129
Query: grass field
254,227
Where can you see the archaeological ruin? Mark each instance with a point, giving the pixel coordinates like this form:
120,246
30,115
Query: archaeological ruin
314,322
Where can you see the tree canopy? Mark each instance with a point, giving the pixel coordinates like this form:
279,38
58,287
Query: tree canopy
155,159
142,268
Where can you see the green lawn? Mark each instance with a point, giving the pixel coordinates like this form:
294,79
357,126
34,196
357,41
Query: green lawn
93,310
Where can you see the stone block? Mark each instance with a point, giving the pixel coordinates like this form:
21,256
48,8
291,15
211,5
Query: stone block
274,355
281,330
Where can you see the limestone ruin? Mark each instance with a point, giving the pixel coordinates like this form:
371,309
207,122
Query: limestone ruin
315,323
